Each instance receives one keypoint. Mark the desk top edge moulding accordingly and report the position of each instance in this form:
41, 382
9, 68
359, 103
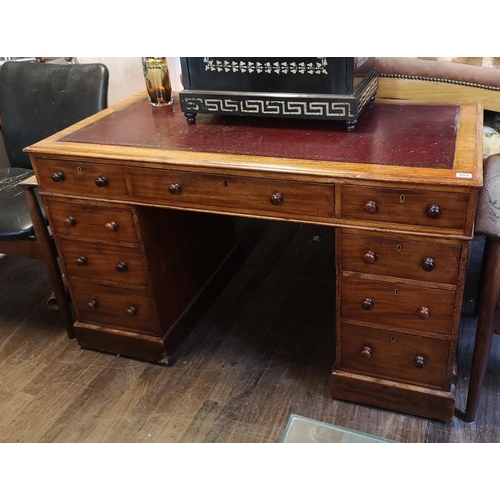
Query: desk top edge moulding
314, 88
134, 196
384, 138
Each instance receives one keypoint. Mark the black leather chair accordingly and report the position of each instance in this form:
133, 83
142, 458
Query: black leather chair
36, 101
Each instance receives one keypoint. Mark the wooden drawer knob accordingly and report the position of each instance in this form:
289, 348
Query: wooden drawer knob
132, 311
276, 199
70, 221
175, 188
81, 261
419, 361
367, 304
371, 207
370, 257
101, 181
428, 264
112, 227
92, 304
121, 267
366, 352
57, 176
424, 313
433, 212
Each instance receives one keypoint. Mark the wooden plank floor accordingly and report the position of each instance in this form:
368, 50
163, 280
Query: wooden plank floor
260, 351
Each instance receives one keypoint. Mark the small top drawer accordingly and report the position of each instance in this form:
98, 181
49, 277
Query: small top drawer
91, 221
243, 195
78, 178
434, 209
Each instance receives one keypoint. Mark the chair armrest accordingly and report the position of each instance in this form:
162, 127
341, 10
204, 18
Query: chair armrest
488, 210
491, 143
29, 183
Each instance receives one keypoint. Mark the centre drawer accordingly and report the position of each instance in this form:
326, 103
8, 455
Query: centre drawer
392, 304
433, 209
243, 195
103, 262
92, 221
400, 257
395, 356
119, 308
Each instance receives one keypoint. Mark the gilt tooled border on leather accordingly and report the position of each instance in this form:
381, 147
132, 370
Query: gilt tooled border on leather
441, 80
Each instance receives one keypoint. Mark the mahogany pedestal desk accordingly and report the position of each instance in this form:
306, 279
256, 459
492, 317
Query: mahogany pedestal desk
136, 197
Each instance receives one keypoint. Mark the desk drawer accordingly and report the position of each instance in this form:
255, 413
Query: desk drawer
435, 209
81, 179
400, 257
88, 220
268, 197
395, 356
119, 308
99, 261
403, 306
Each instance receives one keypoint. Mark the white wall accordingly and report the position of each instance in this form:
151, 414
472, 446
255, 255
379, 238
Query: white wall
126, 77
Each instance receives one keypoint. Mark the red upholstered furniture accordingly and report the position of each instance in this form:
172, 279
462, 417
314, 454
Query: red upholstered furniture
443, 79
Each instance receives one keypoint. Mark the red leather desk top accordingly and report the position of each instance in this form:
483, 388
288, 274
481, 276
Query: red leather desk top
387, 133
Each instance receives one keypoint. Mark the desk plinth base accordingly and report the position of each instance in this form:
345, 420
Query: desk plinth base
395, 396
133, 345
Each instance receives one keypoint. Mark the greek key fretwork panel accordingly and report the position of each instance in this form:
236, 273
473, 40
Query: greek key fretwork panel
224, 105
371, 90
269, 107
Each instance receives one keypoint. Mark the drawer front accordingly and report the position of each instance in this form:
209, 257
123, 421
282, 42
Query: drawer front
104, 262
402, 206
119, 308
397, 305
395, 356
233, 194
401, 258
84, 179
92, 221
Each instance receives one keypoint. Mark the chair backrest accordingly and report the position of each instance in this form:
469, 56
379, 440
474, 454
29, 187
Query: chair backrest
39, 99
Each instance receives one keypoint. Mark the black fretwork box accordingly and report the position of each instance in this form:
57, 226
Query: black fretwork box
321, 88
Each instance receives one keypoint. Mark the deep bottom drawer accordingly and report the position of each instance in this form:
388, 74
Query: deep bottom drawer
115, 307
395, 356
